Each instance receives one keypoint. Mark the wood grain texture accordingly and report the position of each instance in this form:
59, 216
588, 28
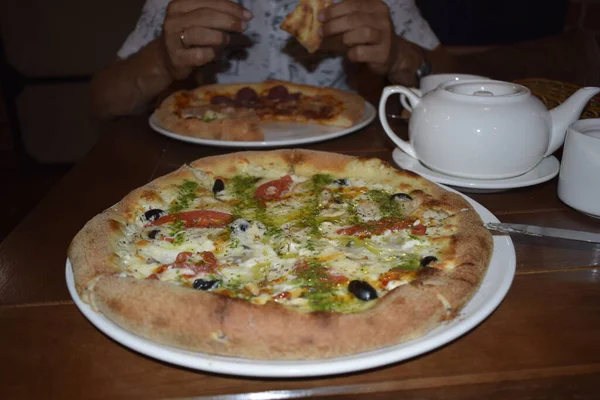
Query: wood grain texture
531, 336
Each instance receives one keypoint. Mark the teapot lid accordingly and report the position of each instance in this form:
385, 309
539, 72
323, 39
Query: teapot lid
485, 88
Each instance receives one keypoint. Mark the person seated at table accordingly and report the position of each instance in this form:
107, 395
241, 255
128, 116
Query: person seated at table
183, 43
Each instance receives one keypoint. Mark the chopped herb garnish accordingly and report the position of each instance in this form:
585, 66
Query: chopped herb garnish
319, 181
320, 289
410, 262
179, 239
187, 193
387, 205
176, 227
177, 231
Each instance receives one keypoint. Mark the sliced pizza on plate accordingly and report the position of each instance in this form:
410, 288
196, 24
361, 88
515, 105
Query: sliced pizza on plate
237, 112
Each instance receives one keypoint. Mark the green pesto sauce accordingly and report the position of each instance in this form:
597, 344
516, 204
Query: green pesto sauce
410, 262
187, 193
309, 213
320, 294
248, 206
243, 188
353, 218
179, 239
176, 232
319, 181
387, 206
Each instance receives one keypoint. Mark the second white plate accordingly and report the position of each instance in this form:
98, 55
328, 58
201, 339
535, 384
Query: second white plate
278, 134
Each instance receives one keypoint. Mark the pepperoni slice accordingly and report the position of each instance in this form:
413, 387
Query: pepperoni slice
278, 92
246, 94
196, 219
274, 190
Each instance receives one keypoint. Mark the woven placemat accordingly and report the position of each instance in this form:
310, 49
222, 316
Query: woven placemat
552, 93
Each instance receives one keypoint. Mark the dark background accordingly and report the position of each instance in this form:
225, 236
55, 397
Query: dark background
484, 22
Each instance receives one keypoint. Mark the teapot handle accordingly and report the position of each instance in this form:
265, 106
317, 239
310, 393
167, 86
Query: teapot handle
413, 100
404, 101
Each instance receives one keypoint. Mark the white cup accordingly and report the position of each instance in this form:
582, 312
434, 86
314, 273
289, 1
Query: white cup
430, 82
579, 178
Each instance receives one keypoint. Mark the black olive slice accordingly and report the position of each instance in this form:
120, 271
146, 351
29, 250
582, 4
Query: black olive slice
218, 186
425, 261
341, 182
401, 197
154, 214
239, 224
362, 290
152, 234
202, 284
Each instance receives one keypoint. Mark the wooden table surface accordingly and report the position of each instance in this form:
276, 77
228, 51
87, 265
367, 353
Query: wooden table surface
543, 341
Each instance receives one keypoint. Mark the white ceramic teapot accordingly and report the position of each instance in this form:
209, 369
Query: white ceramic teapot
483, 129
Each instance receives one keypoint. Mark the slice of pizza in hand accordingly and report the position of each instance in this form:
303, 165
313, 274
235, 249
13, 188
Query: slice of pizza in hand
303, 23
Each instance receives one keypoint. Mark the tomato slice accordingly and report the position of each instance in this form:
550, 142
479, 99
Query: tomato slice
375, 227
196, 219
155, 275
274, 190
282, 296
418, 230
209, 262
183, 256
336, 279
389, 276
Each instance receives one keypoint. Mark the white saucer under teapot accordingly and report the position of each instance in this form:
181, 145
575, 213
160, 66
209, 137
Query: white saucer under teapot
483, 129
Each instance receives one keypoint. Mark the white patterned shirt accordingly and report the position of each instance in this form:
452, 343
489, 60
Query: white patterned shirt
264, 51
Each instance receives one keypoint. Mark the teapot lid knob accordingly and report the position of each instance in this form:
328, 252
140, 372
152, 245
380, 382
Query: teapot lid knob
483, 93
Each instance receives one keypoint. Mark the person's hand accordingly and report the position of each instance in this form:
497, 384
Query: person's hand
366, 30
194, 30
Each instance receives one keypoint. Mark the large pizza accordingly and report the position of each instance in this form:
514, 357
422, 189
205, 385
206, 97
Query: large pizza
287, 254
238, 112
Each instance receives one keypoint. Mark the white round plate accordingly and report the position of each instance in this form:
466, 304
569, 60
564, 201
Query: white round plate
547, 169
494, 287
278, 133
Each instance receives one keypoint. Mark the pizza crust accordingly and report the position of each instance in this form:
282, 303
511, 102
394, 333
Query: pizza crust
216, 324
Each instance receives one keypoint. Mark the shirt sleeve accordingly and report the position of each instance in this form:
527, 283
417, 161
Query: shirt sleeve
410, 25
148, 27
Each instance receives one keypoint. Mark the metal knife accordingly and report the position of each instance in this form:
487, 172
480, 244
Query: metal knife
540, 231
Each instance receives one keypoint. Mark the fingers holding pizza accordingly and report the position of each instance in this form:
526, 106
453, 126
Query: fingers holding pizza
194, 31
365, 29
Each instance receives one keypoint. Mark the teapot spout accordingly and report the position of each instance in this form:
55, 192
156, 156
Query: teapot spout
567, 113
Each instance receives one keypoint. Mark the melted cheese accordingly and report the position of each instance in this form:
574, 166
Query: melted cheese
290, 251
